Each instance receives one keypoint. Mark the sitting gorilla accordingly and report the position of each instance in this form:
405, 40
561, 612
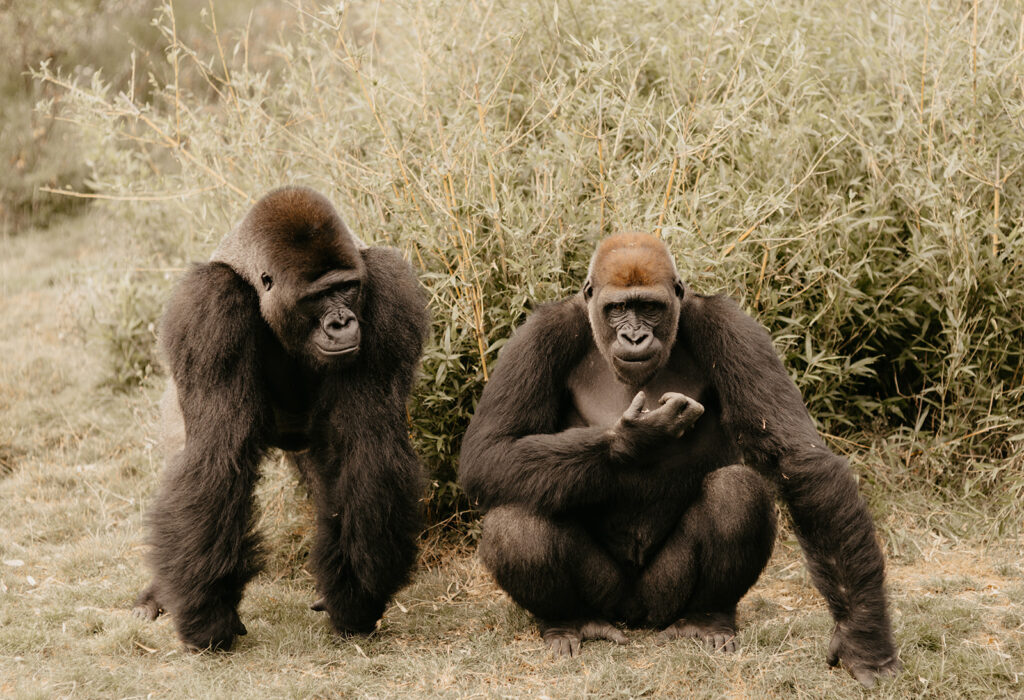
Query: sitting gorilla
299, 337
623, 451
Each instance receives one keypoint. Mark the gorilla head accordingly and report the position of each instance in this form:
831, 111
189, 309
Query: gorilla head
633, 292
306, 266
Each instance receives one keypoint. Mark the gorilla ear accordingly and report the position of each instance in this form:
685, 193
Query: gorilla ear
267, 281
588, 290
679, 289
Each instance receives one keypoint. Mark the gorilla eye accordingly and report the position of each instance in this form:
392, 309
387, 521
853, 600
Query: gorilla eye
267, 281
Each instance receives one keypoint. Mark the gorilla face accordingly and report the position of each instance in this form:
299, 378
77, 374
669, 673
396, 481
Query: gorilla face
633, 294
635, 329
320, 323
336, 334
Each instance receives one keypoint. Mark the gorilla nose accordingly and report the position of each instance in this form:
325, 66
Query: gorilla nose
337, 325
340, 332
634, 345
634, 338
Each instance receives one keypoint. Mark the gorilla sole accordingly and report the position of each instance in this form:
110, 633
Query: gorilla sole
294, 336
627, 451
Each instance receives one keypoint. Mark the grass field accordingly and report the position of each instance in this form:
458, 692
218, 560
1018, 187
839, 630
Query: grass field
77, 465
851, 171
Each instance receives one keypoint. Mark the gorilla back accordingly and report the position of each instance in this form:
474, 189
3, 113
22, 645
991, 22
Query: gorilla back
625, 451
294, 336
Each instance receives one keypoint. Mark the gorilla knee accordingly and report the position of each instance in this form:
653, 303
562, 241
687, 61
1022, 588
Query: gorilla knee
515, 537
739, 502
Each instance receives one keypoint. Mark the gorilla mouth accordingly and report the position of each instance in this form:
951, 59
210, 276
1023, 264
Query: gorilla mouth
635, 358
340, 344
333, 351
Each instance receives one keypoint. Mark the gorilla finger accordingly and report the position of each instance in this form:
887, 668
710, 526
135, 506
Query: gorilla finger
319, 605
863, 676
145, 612
693, 410
616, 636
890, 667
602, 630
668, 634
833, 650
240, 629
636, 407
574, 646
673, 396
557, 647
725, 643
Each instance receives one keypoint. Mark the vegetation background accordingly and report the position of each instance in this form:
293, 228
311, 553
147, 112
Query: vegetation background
852, 172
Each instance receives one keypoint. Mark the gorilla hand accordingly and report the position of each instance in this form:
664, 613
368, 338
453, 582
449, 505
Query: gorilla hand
863, 665
638, 429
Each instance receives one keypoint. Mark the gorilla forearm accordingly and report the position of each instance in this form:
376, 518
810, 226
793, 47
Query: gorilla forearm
204, 551
367, 487
515, 450
551, 472
838, 537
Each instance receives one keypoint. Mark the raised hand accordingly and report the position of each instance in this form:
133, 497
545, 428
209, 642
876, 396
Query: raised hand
638, 428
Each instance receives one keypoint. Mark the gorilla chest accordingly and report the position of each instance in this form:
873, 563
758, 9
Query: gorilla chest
599, 399
291, 400
652, 494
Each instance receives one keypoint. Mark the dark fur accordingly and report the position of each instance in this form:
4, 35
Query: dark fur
240, 391
578, 529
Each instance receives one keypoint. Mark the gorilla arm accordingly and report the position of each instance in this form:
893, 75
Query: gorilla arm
514, 452
765, 413
369, 480
203, 549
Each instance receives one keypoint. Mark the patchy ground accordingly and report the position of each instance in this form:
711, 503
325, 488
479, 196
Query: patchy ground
77, 466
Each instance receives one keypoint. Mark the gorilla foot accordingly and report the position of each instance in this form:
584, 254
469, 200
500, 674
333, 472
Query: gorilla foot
564, 638
146, 606
716, 630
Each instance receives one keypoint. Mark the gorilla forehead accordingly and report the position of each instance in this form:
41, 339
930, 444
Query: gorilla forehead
631, 260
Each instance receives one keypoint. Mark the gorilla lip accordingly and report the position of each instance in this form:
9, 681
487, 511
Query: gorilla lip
335, 352
624, 359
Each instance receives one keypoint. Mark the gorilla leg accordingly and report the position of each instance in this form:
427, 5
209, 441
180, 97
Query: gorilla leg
556, 571
712, 559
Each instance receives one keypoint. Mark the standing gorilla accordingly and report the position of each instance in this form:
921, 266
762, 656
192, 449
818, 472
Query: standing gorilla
612, 495
295, 336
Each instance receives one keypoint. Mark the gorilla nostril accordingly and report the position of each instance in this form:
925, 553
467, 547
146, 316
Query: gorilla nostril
338, 325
